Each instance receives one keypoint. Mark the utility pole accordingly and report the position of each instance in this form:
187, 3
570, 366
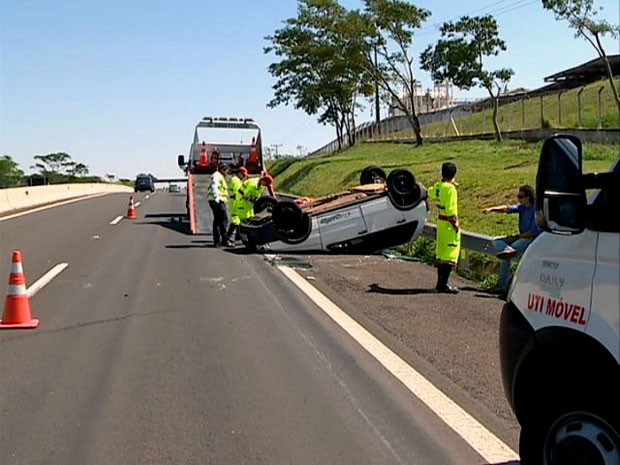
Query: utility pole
301, 149
377, 112
275, 146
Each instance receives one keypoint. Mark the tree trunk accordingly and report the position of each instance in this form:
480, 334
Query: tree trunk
414, 121
498, 133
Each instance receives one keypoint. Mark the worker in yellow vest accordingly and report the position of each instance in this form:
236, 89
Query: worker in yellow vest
235, 199
217, 194
448, 243
251, 190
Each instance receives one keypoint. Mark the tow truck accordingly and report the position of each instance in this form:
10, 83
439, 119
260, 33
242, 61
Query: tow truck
230, 140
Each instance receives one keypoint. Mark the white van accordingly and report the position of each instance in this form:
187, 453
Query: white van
559, 342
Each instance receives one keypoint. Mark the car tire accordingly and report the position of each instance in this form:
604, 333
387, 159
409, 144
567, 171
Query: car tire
403, 190
265, 202
286, 216
300, 233
372, 174
571, 432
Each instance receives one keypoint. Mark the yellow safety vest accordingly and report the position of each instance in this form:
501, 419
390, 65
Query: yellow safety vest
448, 243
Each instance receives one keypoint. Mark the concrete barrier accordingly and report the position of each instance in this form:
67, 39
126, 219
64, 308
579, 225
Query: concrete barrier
21, 198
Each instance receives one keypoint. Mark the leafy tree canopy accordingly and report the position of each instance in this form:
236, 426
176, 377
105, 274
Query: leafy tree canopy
10, 174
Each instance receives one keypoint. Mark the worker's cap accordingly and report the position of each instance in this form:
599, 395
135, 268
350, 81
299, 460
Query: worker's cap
243, 170
266, 180
224, 167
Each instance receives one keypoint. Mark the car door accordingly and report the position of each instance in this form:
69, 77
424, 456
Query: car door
341, 225
380, 215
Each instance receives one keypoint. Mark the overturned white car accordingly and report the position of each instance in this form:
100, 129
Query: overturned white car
382, 212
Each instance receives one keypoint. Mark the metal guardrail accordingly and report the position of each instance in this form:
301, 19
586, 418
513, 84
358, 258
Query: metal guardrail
469, 240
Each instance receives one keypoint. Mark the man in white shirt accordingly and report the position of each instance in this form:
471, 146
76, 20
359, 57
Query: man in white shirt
217, 194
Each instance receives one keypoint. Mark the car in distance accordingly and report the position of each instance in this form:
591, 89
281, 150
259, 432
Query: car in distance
144, 182
381, 212
175, 188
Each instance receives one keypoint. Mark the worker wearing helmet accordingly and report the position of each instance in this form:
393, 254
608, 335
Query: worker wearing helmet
235, 200
448, 243
217, 195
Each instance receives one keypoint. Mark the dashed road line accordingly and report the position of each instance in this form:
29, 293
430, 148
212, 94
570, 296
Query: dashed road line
45, 279
116, 220
483, 441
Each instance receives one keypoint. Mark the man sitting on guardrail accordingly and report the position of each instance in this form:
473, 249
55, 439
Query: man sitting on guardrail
509, 247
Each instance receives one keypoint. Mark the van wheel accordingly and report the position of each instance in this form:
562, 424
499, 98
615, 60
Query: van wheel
575, 437
371, 175
403, 190
265, 202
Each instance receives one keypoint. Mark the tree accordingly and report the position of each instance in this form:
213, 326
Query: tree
392, 24
78, 170
10, 174
52, 165
581, 16
320, 71
59, 167
458, 57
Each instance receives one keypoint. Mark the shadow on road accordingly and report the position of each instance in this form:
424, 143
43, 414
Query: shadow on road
376, 288
175, 221
384, 290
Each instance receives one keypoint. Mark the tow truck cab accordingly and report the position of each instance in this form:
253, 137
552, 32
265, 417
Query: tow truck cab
233, 141
559, 329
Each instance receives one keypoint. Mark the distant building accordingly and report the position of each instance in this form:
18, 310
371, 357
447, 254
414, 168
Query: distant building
586, 73
440, 96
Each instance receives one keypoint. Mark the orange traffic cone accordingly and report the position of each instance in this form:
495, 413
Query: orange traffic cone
17, 312
132, 213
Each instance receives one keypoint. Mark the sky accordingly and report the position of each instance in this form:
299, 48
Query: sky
120, 85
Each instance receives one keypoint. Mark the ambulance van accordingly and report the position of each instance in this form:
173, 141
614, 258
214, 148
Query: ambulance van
559, 343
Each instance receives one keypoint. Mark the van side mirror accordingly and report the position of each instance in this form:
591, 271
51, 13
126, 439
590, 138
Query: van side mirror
560, 191
181, 161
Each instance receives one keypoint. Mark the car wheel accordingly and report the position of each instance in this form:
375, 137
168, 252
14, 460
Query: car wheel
287, 216
300, 233
265, 202
371, 175
403, 190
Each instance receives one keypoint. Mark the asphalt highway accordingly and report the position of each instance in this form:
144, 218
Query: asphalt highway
155, 348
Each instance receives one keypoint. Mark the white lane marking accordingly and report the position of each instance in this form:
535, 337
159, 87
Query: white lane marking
46, 207
490, 447
45, 279
137, 204
116, 220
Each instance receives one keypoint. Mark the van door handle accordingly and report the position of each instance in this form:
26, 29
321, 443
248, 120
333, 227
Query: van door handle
401, 221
